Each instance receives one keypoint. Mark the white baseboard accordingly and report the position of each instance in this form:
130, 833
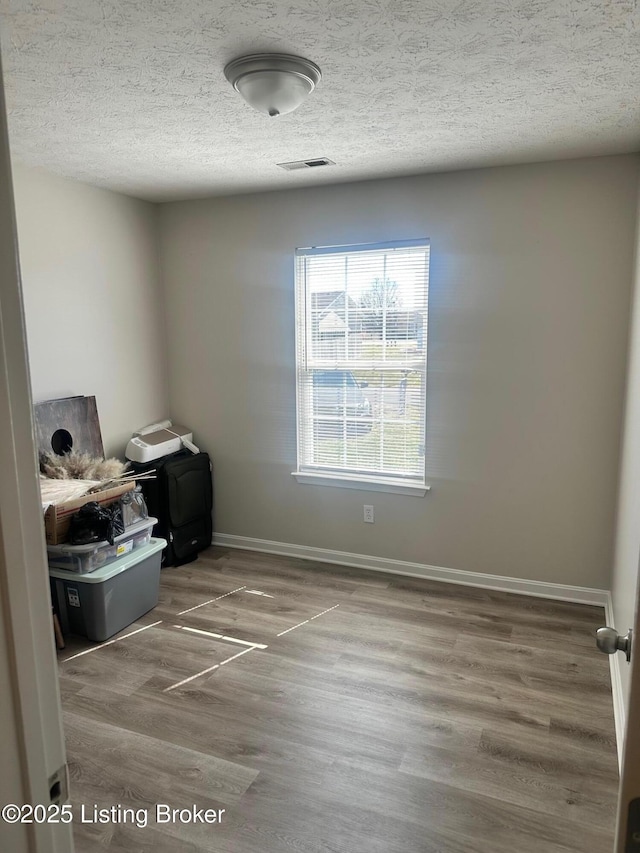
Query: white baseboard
616, 686
562, 592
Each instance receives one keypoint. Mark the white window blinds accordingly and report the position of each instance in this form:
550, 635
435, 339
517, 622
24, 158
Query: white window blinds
361, 359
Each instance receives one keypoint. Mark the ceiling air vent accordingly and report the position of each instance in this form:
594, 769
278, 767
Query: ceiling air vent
306, 164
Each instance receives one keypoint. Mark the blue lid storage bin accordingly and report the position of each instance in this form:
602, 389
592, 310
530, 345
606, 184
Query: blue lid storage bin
100, 604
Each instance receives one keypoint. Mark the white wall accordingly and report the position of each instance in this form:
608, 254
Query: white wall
530, 293
627, 543
531, 272
95, 323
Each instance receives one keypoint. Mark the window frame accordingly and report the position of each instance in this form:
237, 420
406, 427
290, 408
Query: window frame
343, 478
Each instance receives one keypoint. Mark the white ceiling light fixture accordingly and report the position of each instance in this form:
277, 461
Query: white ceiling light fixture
273, 83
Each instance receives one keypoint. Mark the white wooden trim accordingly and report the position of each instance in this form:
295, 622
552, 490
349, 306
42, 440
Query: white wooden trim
617, 694
27, 633
343, 481
540, 589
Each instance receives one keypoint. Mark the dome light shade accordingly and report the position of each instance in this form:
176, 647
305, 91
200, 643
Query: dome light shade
273, 83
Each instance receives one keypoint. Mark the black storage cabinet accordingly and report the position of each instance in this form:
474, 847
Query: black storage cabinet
181, 498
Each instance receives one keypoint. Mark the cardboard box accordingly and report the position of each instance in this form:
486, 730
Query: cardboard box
57, 518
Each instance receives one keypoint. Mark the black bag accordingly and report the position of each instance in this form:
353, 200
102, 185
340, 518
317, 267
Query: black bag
181, 498
96, 523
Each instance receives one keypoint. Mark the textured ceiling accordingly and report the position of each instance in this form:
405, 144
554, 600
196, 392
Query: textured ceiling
130, 94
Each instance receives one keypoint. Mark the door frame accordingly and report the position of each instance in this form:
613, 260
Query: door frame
32, 744
629, 749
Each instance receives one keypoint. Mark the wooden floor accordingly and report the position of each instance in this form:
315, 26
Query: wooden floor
412, 717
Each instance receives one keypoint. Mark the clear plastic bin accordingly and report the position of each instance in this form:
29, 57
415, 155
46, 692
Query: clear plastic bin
83, 559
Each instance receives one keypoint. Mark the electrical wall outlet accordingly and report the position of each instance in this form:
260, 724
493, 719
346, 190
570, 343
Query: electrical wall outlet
368, 513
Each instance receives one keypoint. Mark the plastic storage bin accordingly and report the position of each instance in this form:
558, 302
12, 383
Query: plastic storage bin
100, 604
87, 558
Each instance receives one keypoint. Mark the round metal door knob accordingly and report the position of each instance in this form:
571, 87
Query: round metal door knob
609, 641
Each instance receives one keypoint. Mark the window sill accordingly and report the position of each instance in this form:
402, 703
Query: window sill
341, 482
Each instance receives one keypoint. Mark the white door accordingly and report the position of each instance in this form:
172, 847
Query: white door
628, 826
32, 753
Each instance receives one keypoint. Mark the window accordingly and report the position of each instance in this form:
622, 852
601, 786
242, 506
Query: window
361, 360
